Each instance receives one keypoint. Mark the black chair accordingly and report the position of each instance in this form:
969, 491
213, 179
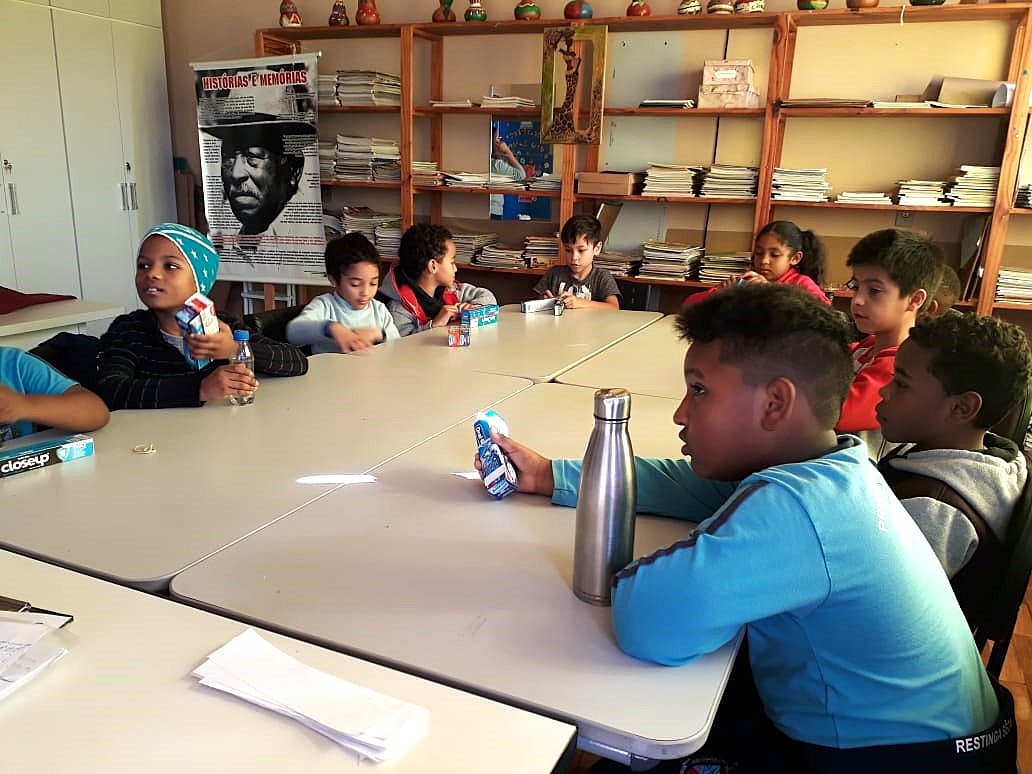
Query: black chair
997, 621
73, 354
1014, 424
273, 323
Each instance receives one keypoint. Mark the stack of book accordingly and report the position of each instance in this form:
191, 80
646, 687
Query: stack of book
723, 181
501, 256
667, 260
825, 102
365, 220
388, 237
670, 180
717, 267
618, 264
863, 197
800, 185
1014, 286
973, 186
359, 159
466, 179
506, 102
667, 103
1024, 198
469, 244
327, 159
451, 103
333, 225
368, 87
326, 86
541, 250
425, 173
545, 182
921, 193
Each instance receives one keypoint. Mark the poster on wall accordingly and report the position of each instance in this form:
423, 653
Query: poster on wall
257, 129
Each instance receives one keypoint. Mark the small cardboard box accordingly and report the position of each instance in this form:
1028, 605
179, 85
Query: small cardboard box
721, 72
737, 95
610, 183
480, 316
35, 453
961, 91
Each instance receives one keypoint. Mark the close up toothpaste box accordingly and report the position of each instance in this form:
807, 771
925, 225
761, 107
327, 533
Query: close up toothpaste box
41, 453
198, 317
499, 473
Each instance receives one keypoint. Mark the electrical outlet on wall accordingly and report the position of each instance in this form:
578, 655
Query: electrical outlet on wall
905, 219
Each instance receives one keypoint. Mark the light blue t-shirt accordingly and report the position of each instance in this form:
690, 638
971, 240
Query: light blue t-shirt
28, 375
855, 637
309, 327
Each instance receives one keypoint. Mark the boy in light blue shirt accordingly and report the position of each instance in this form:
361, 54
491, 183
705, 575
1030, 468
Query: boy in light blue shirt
858, 651
349, 319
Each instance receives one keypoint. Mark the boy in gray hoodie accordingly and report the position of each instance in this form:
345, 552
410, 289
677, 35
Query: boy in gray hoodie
956, 376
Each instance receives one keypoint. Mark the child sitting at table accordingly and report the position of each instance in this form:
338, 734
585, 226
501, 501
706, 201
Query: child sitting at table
421, 290
858, 650
142, 362
580, 283
32, 393
956, 376
893, 272
782, 253
349, 319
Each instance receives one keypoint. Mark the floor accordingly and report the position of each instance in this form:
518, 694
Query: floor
1016, 675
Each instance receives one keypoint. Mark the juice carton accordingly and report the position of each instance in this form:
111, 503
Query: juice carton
499, 474
197, 316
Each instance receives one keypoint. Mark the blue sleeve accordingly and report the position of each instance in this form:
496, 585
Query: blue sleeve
665, 488
35, 377
309, 326
759, 556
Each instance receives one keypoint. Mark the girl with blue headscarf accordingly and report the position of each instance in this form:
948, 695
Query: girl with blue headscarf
144, 361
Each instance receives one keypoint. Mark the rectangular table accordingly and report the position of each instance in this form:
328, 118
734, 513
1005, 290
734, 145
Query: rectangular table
25, 328
426, 572
220, 472
122, 701
536, 346
648, 362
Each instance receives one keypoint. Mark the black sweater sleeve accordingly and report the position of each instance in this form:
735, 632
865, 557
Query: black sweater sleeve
272, 357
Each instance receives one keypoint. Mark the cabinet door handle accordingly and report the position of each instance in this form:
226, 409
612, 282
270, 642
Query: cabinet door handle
125, 196
12, 195
133, 205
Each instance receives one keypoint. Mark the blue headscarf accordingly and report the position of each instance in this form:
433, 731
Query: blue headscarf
196, 248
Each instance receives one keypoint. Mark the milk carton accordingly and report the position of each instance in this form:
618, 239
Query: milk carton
499, 473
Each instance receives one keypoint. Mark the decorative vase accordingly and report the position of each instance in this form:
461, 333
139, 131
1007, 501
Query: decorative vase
289, 16
339, 15
639, 8
443, 12
857, 4
578, 9
811, 5
527, 9
689, 7
721, 6
367, 13
475, 12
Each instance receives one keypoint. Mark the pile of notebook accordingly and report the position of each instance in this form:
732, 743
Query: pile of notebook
863, 197
365, 220
367, 87
670, 180
973, 186
327, 159
717, 267
541, 249
1014, 286
372, 724
921, 193
547, 182
468, 244
800, 185
1024, 198
466, 179
501, 256
507, 102
618, 264
425, 173
723, 181
667, 260
366, 159
388, 237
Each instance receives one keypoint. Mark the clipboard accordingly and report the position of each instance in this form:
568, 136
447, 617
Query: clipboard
10, 605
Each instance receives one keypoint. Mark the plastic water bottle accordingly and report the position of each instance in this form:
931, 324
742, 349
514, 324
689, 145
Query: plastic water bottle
604, 541
243, 356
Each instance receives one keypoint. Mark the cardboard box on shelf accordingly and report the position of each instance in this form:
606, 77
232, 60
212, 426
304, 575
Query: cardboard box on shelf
610, 183
735, 95
719, 72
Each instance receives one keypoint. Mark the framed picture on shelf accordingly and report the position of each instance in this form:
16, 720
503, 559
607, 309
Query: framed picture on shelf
563, 87
517, 154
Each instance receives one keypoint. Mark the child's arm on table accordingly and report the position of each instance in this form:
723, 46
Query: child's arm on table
76, 409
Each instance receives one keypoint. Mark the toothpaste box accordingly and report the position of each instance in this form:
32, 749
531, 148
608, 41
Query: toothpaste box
482, 315
197, 316
36, 453
538, 305
499, 473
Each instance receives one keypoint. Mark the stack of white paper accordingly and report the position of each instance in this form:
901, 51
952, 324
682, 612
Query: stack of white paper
26, 648
374, 725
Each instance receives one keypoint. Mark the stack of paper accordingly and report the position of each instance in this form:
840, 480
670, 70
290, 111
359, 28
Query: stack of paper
327, 159
388, 237
667, 103
667, 260
507, 102
863, 197
541, 249
368, 87
358, 159
825, 102
670, 180
973, 186
327, 90
26, 647
366, 220
618, 264
466, 179
451, 103
801, 185
333, 225
468, 245
1014, 286
717, 267
372, 724
501, 256
425, 173
546, 182
722, 181
1024, 198
921, 193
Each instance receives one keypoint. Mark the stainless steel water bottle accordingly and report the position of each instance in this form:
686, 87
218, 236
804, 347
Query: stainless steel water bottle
606, 497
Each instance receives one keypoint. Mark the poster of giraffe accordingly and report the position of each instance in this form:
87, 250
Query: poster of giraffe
568, 85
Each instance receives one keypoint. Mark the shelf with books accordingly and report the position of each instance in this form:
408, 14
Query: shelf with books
433, 111
930, 112
587, 197
685, 112
359, 108
359, 184
946, 209
455, 189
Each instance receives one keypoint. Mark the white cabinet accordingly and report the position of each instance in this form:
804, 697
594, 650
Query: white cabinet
37, 238
95, 7
139, 11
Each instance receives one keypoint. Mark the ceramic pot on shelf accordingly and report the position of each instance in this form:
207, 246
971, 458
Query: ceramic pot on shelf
339, 15
857, 4
639, 8
811, 5
475, 12
527, 10
578, 9
444, 12
367, 13
689, 7
289, 16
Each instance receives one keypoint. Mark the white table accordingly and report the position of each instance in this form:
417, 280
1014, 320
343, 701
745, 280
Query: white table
122, 701
25, 328
424, 571
537, 346
221, 472
648, 362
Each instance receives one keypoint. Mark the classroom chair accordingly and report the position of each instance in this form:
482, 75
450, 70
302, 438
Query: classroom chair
996, 621
273, 323
1014, 424
73, 354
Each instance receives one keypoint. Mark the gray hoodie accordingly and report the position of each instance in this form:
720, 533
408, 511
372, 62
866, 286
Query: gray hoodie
990, 480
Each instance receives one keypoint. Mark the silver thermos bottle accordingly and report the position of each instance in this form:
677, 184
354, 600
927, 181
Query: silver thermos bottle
604, 541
